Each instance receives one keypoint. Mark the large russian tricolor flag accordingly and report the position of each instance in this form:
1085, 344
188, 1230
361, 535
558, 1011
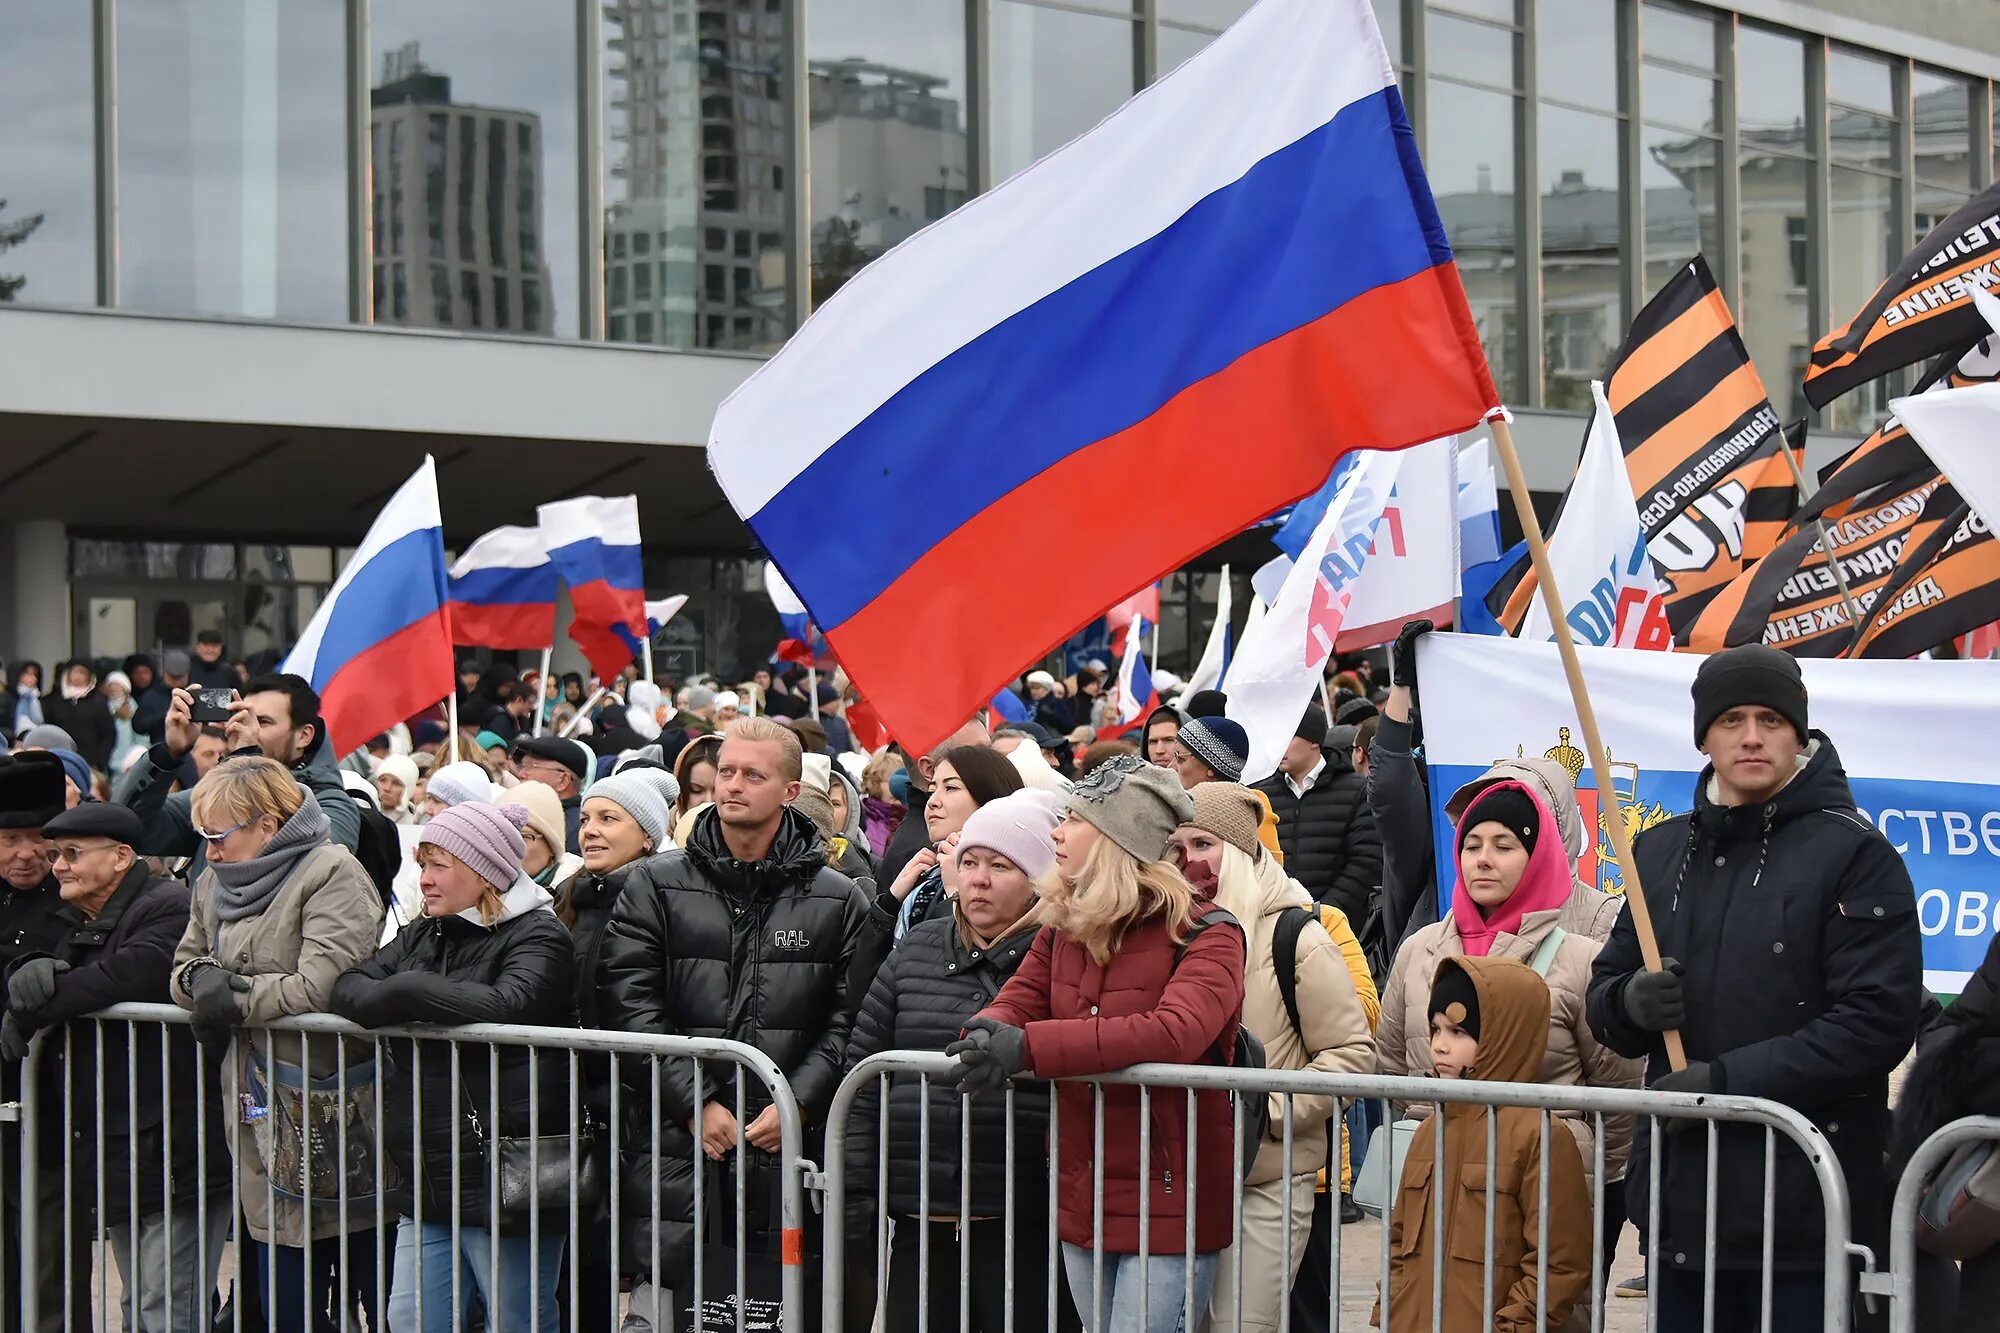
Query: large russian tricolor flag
503, 592
1234, 279
593, 542
378, 650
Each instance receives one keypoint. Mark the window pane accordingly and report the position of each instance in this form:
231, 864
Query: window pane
1678, 174
1581, 220
1177, 44
1856, 80
48, 198
232, 164
1771, 90
1683, 100
1676, 35
1503, 10
1209, 13
1389, 18
888, 128
1776, 267
1943, 110
1055, 74
695, 157
1471, 165
1577, 52
1862, 245
1470, 50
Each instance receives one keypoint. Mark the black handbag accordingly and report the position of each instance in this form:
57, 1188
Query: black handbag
534, 1173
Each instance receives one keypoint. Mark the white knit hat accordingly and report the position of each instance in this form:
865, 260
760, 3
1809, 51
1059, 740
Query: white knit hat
456, 784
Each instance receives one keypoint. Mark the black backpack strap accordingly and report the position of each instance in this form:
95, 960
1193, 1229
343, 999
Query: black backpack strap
1285, 957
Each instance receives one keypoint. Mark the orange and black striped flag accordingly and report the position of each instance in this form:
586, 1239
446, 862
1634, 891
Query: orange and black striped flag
1922, 308
1947, 584
1701, 443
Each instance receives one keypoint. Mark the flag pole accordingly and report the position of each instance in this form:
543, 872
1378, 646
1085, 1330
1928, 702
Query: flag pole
1854, 607
812, 683
646, 656
569, 728
542, 704
451, 709
1586, 716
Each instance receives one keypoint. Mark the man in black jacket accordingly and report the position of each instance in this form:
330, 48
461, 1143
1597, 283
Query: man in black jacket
744, 934
165, 1202
1793, 971
1325, 828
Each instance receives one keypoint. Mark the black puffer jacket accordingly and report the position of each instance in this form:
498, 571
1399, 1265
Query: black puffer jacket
1328, 836
1797, 925
32, 922
450, 970
124, 956
931, 984
761, 952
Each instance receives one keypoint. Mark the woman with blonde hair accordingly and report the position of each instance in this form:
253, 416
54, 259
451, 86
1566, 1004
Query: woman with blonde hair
279, 914
1304, 1003
1132, 969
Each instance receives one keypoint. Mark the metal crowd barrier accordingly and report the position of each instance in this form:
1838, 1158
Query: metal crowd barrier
1929, 1158
346, 1260
1603, 1106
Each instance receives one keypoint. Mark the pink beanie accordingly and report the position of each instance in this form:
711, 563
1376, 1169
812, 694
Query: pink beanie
1017, 826
486, 837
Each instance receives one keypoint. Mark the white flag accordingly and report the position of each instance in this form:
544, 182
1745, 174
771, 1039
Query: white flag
1957, 428
1207, 673
1610, 594
1277, 669
1413, 573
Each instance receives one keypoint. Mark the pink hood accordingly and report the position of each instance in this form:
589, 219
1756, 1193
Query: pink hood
1545, 885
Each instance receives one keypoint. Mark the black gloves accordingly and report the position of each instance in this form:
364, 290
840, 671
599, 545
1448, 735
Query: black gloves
13, 1039
1403, 659
33, 984
1698, 1078
216, 1012
988, 1055
1653, 1000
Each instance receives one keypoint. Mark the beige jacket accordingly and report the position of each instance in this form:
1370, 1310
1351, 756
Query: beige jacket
323, 920
1574, 1057
1336, 1038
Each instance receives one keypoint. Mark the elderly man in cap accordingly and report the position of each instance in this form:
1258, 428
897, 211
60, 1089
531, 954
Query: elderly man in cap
561, 765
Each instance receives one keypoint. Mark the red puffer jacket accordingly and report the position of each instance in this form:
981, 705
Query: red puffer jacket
1084, 1019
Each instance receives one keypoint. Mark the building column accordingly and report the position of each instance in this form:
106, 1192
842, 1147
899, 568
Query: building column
39, 592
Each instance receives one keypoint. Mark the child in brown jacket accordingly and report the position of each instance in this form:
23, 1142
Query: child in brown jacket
1489, 1020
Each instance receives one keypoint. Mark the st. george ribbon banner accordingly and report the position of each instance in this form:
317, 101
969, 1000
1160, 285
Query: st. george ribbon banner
1931, 782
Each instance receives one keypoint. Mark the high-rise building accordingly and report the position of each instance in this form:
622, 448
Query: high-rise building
456, 207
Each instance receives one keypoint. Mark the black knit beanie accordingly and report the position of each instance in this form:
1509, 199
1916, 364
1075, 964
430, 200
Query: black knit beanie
1508, 806
1454, 996
1312, 726
1751, 674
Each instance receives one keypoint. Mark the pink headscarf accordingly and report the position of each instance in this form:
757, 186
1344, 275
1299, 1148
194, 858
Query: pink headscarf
1545, 884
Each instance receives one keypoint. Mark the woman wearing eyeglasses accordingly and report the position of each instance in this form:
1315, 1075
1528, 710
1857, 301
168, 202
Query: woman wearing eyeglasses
279, 913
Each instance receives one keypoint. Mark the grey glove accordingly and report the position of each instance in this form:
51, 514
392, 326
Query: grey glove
13, 1039
988, 1055
215, 989
1698, 1078
33, 984
1653, 1000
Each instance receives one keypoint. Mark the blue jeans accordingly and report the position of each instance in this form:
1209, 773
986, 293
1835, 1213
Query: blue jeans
1166, 1289
526, 1276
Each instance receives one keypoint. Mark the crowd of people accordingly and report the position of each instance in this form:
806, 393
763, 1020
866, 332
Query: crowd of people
1050, 898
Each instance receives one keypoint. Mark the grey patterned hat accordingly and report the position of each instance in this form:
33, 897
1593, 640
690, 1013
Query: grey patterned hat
1135, 804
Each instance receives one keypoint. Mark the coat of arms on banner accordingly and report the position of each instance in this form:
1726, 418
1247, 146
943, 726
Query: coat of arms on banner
1599, 862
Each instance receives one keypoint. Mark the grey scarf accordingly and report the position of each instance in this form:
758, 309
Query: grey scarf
245, 888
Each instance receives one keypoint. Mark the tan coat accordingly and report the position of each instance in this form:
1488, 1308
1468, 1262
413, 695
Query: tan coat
1513, 1010
323, 919
1336, 1038
1574, 1057
1589, 911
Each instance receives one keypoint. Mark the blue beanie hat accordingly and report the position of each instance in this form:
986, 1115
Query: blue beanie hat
1221, 744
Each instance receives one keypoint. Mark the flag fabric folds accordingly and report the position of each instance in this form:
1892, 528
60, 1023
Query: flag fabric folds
593, 542
1922, 308
1202, 267
1413, 571
378, 650
1214, 663
1137, 696
657, 615
503, 592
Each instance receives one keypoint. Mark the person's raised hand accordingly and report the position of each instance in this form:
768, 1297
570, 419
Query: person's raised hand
181, 728
1403, 658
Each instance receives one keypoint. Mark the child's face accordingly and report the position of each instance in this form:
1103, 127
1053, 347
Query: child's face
1453, 1052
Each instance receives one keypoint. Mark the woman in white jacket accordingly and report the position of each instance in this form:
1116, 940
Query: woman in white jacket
1220, 854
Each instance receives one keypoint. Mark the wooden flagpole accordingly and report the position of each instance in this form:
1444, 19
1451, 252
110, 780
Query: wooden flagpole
1586, 716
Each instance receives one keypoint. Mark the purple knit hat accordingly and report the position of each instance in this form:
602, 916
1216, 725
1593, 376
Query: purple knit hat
486, 837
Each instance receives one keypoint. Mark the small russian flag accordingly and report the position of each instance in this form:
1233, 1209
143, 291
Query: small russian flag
503, 592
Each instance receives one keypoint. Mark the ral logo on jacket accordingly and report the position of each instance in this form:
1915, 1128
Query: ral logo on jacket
790, 939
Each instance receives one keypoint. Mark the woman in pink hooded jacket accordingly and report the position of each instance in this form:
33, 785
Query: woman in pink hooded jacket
1513, 878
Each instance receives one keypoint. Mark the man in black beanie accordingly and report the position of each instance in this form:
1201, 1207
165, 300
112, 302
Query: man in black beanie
1793, 971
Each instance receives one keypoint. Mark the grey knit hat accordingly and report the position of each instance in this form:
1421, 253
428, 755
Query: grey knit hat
638, 798
486, 837
1218, 742
1135, 804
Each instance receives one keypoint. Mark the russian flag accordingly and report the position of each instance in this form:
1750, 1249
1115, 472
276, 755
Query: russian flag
610, 650
1216, 291
1137, 697
503, 592
593, 542
378, 650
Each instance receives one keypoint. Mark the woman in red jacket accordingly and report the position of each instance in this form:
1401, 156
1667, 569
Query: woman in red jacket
1132, 970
